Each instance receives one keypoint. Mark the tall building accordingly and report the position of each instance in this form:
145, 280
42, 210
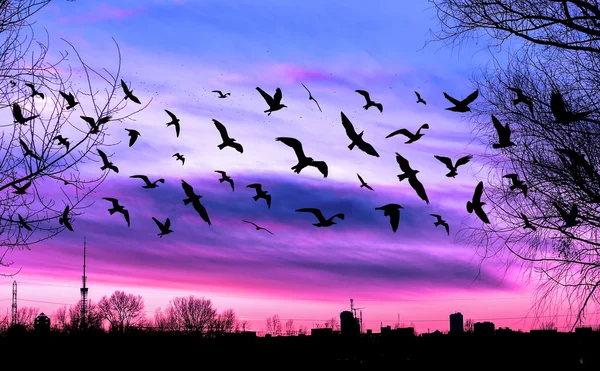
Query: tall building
456, 323
349, 326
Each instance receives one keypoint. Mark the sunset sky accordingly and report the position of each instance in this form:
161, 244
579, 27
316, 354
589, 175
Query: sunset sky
176, 53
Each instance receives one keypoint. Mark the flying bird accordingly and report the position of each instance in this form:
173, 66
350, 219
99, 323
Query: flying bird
408, 172
227, 141
522, 98
149, 184
257, 227
560, 112
453, 168
370, 103
23, 223
63, 141
419, 99
476, 205
195, 200
221, 95
225, 178
129, 93
411, 137
164, 228
105, 163
527, 223
174, 121
516, 183
70, 98
393, 211
34, 91
503, 134
18, 115
133, 134
95, 125
27, 151
260, 193
357, 139
273, 102
570, 218
462, 105
362, 183
303, 161
441, 221
64, 219
179, 158
116, 208
21, 190
322, 221
310, 97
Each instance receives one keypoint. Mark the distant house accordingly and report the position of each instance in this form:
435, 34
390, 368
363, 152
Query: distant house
42, 323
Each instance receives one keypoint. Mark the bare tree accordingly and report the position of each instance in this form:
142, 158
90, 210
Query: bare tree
121, 310
274, 325
547, 326
225, 322
469, 325
26, 316
290, 327
332, 323
555, 155
245, 325
68, 318
189, 315
45, 148
303, 330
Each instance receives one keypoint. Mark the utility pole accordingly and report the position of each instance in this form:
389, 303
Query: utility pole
14, 304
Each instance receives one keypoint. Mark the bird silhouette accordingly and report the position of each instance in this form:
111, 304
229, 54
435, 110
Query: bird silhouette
370, 103
70, 98
227, 141
105, 163
225, 178
476, 205
453, 168
64, 219
357, 139
522, 98
441, 221
149, 184
257, 227
195, 200
27, 151
221, 95
527, 223
393, 211
570, 218
21, 190
462, 105
133, 136
34, 92
12, 83
116, 208
322, 221
362, 183
18, 115
503, 134
411, 175
23, 223
129, 93
273, 102
165, 229
516, 183
419, 99
179, 158
411, 137
95, 125
174, 121
303, 161
63, 141
260, 193
310, 97
560, 112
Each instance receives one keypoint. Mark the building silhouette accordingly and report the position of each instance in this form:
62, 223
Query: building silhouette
349, 326
484, 328
42, 323
456, 323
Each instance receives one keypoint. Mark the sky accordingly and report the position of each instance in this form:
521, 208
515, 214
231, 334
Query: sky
175, 53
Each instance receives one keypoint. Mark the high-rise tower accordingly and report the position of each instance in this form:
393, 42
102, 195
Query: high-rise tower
84, 292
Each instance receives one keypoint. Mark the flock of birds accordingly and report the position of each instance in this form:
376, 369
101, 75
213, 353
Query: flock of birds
392, 210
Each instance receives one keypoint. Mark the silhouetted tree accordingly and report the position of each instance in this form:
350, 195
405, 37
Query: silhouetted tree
121, 310
189, 315
245, 325
558, 52
332, 323
54, 170
469, 325
290, 327
225, 322
547, 326
68, 318
26, 316
274, 325
303, 330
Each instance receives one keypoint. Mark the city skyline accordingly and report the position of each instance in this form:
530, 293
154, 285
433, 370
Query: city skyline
419, 272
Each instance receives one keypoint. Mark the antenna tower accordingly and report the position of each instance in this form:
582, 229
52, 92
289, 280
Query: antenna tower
84, 291
353, 309
14, 304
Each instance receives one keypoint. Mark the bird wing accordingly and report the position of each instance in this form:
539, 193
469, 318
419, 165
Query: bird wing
278, 95
367, 148
463, 160
557, 104
256, 186
30, 86
103, 156
218, 91
478, 192
513, 177
238, 147
394, 218
482, 215
142, 177
471, 97
173, 117
222, 130
401, 131
499, 128
295, 144
103, 120
445, 160
245, 221
125, 88
360, 178
316, 212
516, 90
403, 163
306, 89
126, 215
114, 201
64, 95
574, 211
201, 210
159, 224
321, 166
266, 97
350, 131
24, 145
418, 95
437, 216
168, 223
268, 199
447, 228
452, 100
365, 94
418, 187
188, 189
220, 172
17, 113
